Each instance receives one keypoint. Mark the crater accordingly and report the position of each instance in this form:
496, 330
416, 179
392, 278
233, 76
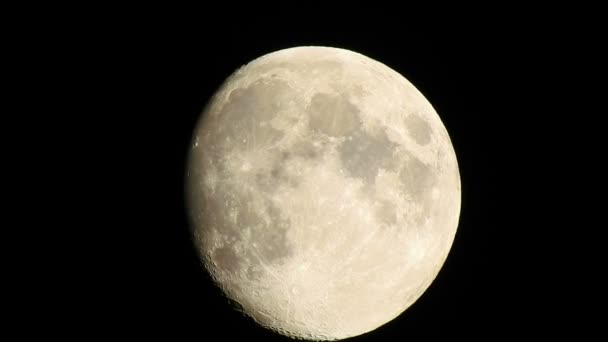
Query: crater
362, 154
333, 115
418, 129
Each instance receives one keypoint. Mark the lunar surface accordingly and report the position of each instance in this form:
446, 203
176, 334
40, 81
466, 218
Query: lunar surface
323, 190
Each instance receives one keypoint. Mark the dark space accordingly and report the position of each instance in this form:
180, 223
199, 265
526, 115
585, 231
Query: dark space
148, 77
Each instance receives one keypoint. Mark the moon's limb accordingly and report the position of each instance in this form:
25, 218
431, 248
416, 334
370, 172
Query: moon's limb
324, 192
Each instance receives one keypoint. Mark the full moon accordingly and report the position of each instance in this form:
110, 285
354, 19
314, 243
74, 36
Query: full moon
323, 191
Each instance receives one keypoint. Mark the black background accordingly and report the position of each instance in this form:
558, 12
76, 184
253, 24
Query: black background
138, 82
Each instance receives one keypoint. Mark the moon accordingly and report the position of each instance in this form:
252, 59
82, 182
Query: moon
323, 191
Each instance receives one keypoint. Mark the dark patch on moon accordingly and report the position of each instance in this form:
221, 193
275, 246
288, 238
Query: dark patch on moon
265, 182
245, 118
418, 128
416, 178
333, 115
226, 259
387, 213
306, 149
417, 181
269, 180
363, 155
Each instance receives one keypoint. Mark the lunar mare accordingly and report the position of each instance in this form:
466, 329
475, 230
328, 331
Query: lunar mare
323, 191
